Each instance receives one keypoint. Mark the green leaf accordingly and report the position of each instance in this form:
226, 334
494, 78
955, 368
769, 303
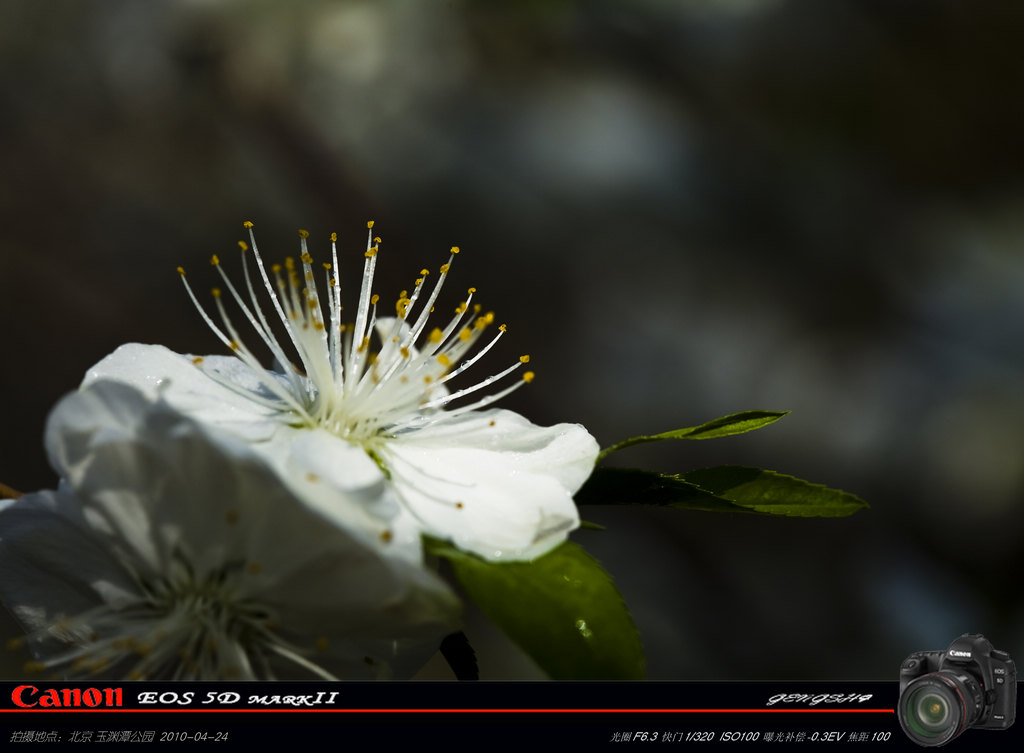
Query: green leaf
724, 489
737, 423
774, 493
562, 609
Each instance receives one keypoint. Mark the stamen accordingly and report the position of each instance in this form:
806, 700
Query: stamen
468, 390
338, 382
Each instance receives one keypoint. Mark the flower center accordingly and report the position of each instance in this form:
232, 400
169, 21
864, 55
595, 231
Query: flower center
367, 380
183, 626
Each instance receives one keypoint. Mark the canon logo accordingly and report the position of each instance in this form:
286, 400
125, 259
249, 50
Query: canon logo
960, 654
29, 696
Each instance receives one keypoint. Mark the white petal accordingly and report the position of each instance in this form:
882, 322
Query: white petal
128, 457
158, 371
335, 477
503, 491
51, 564
566, 452
343, 484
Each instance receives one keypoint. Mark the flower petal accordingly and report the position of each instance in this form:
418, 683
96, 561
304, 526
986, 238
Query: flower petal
156, 370
111, 443
321, 469
565, 451
493, 483
50, 566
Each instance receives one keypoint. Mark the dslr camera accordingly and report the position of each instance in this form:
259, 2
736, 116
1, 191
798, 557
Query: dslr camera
942, 693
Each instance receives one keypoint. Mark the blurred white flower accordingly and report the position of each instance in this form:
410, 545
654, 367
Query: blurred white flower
165, 555
378, 422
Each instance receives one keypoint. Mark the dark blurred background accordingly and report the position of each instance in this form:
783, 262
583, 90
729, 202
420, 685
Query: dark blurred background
683, 209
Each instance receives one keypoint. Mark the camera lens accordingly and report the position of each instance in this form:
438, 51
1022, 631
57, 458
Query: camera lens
937, 707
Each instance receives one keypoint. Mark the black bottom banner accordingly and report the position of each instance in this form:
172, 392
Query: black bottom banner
854, 716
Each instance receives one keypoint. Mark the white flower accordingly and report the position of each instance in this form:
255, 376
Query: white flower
366, 409
163, 557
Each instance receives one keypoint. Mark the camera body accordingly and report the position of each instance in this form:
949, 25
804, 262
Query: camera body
942, 693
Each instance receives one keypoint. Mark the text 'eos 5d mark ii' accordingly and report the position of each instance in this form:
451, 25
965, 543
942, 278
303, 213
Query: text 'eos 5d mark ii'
942, 693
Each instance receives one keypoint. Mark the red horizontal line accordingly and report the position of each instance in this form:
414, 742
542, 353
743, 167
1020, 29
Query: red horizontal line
446, 711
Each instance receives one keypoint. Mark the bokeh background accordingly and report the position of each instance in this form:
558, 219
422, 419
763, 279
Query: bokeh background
683, 209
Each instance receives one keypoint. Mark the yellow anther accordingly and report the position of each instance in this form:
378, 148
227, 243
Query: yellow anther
481, 322
402, 306
303, 233
243, 245
524, 359
376, 239
334, 237
465, 333
342, 327
214, 260
444, 360
312, 303
216, 292
445, 268
312, 478
181, 271
385, 536
306, 259
459, 505
289, 263
461, 308
327, 266
528, 377
373, 299
471, 291
428, 379
435, 335
275, 268
15, 643
370, 252
477, 308
424, 272
233, 345
419, 281
503, 327
318, 326
369, 224
405, 352
455, 249
247, 224
197, 360
364, 344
